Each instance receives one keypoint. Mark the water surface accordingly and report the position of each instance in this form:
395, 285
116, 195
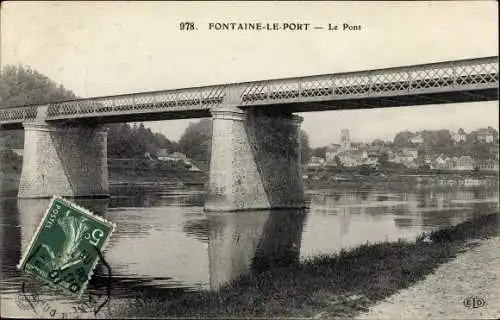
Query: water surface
164, 242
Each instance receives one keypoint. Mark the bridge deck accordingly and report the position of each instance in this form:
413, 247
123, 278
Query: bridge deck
436, 83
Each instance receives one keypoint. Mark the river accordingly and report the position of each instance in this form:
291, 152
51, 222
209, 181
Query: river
164, 242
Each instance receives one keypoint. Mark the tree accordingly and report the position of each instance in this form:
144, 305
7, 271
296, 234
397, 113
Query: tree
119, 141
495, 134
480, 151
383, 160
338, 162
319, 152
125, 141
379, 142
23, 86
196, 143
443, 138
402, 138
305, 149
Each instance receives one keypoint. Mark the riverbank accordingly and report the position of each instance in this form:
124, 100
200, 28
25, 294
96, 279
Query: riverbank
325, 179
9, 181
154, 179
475, 273
339, 285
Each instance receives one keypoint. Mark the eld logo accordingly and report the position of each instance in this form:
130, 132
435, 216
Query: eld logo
474, 302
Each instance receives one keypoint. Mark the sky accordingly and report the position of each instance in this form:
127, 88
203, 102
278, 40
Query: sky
106, 48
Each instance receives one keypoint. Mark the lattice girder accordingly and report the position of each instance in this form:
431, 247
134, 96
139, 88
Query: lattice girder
468, 74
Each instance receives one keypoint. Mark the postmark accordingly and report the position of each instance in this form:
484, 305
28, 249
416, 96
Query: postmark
35, 296
67, 246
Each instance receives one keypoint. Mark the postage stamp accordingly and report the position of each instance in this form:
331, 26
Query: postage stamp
67, 246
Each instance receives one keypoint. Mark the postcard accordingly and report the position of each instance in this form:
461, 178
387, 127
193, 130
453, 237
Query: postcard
319, 159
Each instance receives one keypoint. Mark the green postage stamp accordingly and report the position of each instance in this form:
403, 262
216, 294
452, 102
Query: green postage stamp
66, 246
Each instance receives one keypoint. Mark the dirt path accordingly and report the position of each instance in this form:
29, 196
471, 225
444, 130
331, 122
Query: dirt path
441, 295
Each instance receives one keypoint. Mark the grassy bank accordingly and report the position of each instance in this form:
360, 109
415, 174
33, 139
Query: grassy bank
339, 285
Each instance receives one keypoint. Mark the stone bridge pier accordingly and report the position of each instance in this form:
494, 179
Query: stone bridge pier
255, 161
68, 161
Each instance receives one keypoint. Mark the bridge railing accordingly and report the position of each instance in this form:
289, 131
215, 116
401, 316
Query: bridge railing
158, 101
455, 75
181, 99
16, 114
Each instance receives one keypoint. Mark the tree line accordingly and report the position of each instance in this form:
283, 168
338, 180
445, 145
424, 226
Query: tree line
134, 141
442, 142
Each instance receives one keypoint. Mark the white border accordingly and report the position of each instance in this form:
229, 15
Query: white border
42, 221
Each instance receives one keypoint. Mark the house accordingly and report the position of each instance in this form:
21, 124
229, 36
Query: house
378, 143
410, 153
494, 151
370, 161
163, 155
331, 152
428, 158
417, 139
19, 152
178, 156
351, 158
465, 163
394, 157
193, 167
315, 162
357, 145
411, 164
444, 163
485, 135
440, 159
460, 136
373, 152
487, 165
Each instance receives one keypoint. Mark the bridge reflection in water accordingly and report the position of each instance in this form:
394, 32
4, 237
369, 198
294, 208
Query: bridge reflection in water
245, 241
238, 243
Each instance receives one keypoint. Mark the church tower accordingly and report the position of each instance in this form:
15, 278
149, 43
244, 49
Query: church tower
344, 139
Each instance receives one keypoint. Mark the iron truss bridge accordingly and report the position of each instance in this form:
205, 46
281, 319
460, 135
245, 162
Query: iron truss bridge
434, 83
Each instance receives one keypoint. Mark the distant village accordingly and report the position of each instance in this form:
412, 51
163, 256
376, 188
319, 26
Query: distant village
409, 149
164, 155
